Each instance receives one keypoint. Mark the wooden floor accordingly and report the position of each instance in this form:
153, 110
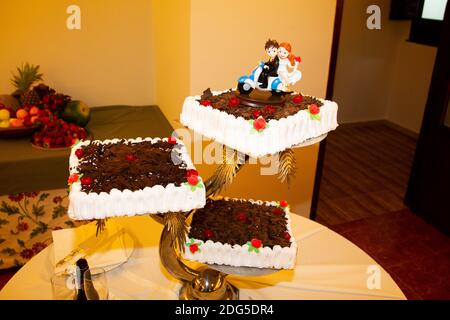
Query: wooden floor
365, 172
365, 176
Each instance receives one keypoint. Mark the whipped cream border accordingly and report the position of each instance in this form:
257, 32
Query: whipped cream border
150, 200
235, 132
224, 254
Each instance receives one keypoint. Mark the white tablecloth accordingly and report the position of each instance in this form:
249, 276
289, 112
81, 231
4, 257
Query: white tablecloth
328, 267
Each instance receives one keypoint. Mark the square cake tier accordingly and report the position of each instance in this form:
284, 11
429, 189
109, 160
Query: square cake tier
259, 131
131, 177
242, 233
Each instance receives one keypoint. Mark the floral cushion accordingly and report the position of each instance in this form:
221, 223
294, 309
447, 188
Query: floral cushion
26, 222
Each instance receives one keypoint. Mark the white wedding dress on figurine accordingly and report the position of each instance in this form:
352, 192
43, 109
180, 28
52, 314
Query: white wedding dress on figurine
288, 78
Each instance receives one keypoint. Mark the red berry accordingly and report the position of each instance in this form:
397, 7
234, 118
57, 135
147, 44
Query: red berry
313, 108
191, 172
278, 211
287, 236
130, 157
172, 140
86, 181
256, 243
192, 180
242, 217
269, 109
205, 103
233, 102
256, 114
72, 178
209, 233
283, 203
193, 248
79, 153
298, 59
297, 99
259, 124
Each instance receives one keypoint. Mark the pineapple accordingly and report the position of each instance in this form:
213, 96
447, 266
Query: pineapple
23, 80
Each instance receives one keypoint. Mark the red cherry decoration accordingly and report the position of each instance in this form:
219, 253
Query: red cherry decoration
297, 99
205, 103
242, 217
193, 248
72, 178
256, 243
256, 114
130, 157
234, 102
79, 153
269, 109
287, 236
278, 211
192, 180
283, 203
86, 181
209, 233
259, 124
191, 172
172, 140
314, 109
298, 59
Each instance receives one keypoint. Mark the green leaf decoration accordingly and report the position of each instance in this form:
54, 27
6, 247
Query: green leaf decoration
9, 251
70, 223
59, 211
21, 243
3, 222
252, 248
9, 210
314, 116
44, 196
41, 228
38, 211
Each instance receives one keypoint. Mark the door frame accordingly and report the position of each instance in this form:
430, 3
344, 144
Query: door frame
329, 96
432, 124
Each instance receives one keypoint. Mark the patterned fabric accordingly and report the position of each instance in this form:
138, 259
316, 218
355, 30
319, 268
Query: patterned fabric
26, 222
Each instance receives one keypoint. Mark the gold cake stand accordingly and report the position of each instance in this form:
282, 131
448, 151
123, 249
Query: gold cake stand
208, 282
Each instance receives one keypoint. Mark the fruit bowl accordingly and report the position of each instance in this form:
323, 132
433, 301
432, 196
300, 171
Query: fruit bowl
19, 132
89, 136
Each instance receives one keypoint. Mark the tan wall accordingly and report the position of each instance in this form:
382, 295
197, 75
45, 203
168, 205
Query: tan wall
171, 42
227, 41
379, 75
108, 61
228, 36
410, 83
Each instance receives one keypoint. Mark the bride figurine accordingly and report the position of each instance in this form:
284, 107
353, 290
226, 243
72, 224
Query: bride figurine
287, 69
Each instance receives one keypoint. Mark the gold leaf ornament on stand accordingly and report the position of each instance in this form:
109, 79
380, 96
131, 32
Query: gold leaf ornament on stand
286, 166
225, 173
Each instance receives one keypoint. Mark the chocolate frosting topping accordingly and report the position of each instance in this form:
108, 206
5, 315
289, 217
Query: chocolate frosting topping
289, 108
132, 166
237, 222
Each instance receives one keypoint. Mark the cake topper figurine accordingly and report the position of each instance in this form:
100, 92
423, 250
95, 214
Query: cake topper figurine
275, 75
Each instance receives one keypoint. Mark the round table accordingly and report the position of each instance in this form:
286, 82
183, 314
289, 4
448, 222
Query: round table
328, 267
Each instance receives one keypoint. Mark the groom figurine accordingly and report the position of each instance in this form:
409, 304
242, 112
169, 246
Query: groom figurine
271, 66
